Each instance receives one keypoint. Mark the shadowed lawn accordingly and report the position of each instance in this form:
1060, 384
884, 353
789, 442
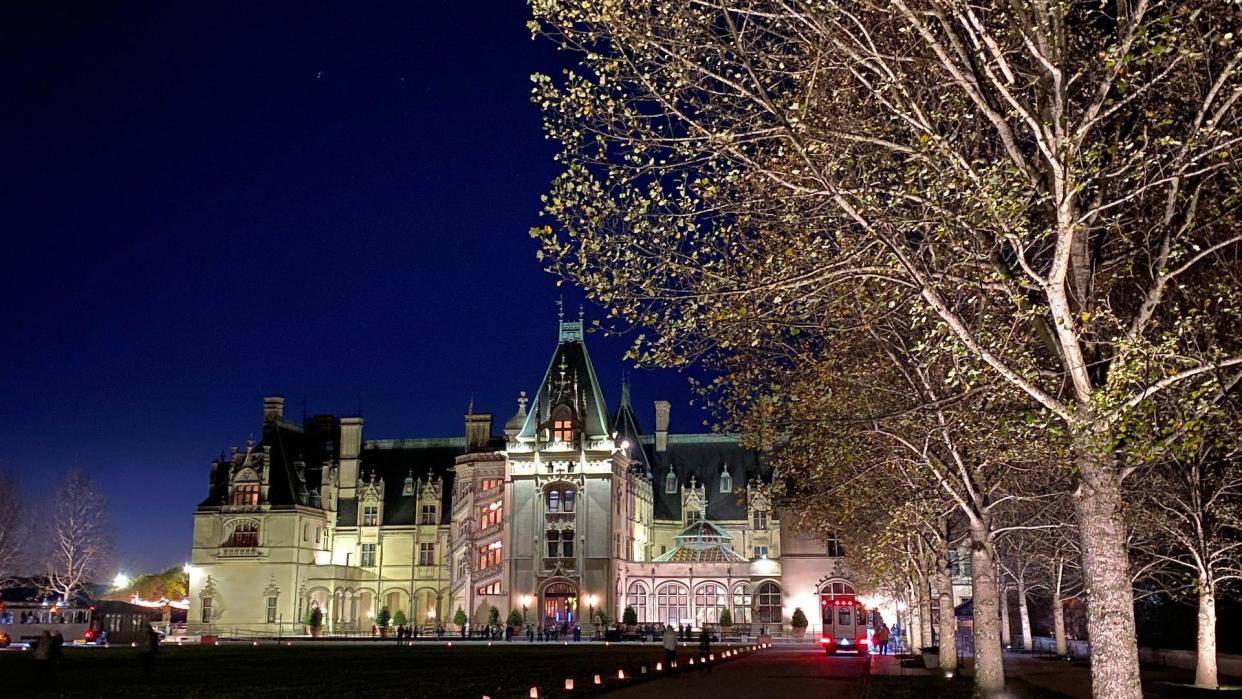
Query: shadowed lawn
310, 669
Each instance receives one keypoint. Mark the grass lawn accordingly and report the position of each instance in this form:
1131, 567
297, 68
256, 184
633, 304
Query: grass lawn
310, 669
891, 687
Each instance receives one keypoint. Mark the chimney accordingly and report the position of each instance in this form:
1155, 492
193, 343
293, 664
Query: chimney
273, 408
662, 408
478, 431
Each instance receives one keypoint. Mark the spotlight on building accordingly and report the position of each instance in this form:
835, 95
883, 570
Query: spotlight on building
121, 580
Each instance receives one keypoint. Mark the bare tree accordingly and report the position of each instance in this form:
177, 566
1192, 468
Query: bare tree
1189, 522
13, 532
1050, 182
79, 536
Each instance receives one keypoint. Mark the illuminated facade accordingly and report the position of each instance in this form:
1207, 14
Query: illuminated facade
571, 508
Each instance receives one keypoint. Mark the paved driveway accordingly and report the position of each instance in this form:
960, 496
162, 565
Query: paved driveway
771, 673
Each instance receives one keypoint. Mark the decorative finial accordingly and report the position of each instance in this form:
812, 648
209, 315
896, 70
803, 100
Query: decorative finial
560, 309
522, 400
581, 313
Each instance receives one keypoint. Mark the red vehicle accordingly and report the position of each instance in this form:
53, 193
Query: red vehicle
845, 625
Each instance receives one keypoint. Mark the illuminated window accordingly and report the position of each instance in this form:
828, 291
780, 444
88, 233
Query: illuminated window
741, 603
554, 501
672, 603
491, 484
563, 430
560, 500
490, 555
370, 515
428, 515
368, 555
426, 554
709, 599
246, 494
637, 598
490, 515
492, 589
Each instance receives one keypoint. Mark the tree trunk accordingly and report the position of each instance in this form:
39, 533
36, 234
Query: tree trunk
948, 626
927, 636
1024, 614
914, 626
1058, 624
989, 667
1106, 570
1205, 657
1006, 637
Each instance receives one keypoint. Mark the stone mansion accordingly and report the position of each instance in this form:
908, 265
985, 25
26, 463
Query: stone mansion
572, 510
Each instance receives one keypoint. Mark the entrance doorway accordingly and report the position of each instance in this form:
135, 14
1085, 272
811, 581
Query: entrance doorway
560, 603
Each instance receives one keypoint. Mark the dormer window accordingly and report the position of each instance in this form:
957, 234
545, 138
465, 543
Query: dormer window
370, 515
670, 483
246, 494
562, 425
726, 482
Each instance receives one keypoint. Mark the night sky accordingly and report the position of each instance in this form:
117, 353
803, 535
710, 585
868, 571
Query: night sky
203, 205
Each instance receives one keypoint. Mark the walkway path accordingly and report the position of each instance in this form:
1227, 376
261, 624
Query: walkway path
775, 672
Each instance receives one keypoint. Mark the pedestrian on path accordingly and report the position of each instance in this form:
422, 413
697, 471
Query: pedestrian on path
882, 637
705, 650
670, 646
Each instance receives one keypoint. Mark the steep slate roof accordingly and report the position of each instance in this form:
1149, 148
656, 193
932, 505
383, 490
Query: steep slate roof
570, 375
625, 422
394, 460
297, 456
703, 456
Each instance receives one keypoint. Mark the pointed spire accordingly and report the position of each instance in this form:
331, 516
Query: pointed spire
470, 408
625, 389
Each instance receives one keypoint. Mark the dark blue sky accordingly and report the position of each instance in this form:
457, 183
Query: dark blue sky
206, 204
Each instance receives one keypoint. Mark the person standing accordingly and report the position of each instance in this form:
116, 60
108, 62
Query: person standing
882, 637
705, 650
670, 646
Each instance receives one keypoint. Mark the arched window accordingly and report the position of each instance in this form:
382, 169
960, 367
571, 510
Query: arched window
726, 482
245, 534
672, 603
709, 599
670, 483
637, 598
837, 588
769, 606
742, 603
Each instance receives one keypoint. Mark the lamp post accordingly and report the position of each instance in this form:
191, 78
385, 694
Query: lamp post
591, 600
525, 599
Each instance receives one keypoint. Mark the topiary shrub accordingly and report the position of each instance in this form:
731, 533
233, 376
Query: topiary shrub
493, 616
460, 617
798, 621
515, 618
630, 617
398, 619
726, 619
383, 618
315, 618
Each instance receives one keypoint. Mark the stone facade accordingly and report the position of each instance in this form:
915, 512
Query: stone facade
571, 509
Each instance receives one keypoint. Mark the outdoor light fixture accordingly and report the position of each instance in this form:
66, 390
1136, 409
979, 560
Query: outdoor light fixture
525, 599
121, 580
